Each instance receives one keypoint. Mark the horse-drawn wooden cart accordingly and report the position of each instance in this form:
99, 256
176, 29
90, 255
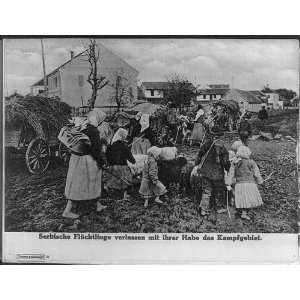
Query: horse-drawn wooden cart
31, 128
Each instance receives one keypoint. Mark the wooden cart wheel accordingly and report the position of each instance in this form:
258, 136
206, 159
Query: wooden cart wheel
37, 156
64, 153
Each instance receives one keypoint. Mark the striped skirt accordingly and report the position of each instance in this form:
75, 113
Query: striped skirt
247, 195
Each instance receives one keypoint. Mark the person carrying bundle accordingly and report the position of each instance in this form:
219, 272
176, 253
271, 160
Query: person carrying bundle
84, 178
150, 185
141, 135
118, 153
212, 161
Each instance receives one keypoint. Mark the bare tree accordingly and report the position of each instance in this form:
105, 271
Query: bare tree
180, 90
122, 90
96, 80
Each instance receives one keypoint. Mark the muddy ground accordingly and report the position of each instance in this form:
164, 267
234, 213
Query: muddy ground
35, 203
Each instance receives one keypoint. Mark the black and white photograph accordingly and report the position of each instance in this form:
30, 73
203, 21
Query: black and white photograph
151, 135
157, 139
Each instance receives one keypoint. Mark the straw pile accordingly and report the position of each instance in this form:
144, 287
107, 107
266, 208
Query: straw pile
40, 113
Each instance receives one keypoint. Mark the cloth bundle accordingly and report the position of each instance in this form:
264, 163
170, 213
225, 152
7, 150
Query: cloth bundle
168, 153
137, 168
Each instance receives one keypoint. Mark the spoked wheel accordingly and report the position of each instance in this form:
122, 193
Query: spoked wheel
64, 153
37, 156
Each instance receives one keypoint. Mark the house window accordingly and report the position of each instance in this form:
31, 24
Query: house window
55, 82
204, 97
210, 97
80, 80
152, 93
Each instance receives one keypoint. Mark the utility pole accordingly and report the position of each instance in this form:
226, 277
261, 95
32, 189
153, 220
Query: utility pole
44, 68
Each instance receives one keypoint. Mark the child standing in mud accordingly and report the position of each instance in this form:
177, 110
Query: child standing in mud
212, 161
246, 174
150, 185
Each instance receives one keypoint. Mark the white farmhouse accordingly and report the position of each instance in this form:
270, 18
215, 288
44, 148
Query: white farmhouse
69, 80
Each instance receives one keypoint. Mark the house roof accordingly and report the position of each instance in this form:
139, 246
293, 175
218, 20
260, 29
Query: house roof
41, 81
219, 86
248, 96
213, 91
155, 85
257, 93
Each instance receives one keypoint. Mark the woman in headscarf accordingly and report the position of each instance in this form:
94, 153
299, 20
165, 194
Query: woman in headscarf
150, 185
142, 139
84, 178
198, 130
118, 154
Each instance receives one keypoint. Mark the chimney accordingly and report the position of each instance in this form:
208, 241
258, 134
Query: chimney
72, 54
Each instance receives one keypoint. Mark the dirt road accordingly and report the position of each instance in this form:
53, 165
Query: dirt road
35, 203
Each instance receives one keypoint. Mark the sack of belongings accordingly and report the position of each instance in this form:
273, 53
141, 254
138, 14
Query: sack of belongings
75, 140
168, 153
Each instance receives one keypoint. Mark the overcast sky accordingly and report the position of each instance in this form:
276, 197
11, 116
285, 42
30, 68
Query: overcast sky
247, 64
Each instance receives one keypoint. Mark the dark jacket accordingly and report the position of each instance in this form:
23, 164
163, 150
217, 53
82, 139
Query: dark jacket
118, 153
216, 160
135, 128
95, 150
245, 128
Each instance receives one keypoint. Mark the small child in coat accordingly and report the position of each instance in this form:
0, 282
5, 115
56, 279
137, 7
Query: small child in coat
246, 174
150, 185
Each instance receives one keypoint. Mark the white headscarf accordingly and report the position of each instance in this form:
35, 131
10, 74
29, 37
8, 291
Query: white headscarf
243, 152
144, 121
200, 113
96, 117
236, 145
154, 151
120, 135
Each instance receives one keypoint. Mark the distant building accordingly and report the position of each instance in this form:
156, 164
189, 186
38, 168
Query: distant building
295, 101
154, 91
69, 80
260, 95
213, 92
246, 100
274, 101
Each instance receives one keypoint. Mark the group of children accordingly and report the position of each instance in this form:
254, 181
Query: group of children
241, 174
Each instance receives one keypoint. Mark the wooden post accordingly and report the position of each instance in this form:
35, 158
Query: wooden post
44, 68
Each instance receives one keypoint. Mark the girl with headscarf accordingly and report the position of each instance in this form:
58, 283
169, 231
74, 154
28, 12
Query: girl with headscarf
84, 178
150, 185
246, 174
118, 154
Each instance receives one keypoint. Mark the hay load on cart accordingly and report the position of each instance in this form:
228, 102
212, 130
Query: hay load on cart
157, 116
31, 127
230, 112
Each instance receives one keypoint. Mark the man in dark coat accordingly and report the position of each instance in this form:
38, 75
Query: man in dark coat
212, 160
